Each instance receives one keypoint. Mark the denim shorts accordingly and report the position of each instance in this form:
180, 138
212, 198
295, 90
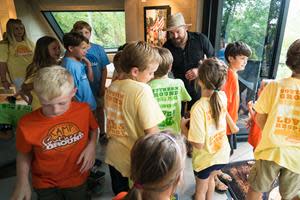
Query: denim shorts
204, 174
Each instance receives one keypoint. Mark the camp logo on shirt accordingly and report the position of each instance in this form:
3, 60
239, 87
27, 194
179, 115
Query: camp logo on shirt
289, 126
62, 136
115, 118
22, 50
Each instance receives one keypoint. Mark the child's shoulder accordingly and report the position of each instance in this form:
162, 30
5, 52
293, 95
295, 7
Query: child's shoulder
69, 62
129, 84
96, 47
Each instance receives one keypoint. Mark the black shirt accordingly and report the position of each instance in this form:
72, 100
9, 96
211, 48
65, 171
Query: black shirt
185, 59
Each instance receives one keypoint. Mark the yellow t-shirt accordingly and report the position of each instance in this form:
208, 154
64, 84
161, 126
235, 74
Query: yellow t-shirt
280, 140
17, 56
203, 130
131, 108
35, 104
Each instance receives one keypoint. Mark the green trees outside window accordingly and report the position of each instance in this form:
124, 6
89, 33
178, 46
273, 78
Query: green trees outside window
108, 26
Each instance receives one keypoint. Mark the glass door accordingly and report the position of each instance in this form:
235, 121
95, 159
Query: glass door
257, 23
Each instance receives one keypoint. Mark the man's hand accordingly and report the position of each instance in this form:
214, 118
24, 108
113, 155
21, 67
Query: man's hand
191, 74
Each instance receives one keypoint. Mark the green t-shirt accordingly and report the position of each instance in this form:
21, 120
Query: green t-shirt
169, 93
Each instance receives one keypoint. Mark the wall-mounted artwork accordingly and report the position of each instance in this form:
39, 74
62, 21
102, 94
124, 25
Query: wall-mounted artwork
155, 23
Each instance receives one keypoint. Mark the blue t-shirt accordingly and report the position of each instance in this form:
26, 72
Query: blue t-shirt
98, 58
84, 92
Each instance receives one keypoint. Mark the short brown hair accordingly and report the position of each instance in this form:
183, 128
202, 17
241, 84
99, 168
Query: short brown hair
116, 62
293, 57
73, 39
79, 25
138, 54
236, 49
165, 64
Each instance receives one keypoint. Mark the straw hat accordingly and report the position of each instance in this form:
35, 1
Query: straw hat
175, 21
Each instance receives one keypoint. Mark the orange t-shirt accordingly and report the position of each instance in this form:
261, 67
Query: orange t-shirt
254, 136
120, 196
56, 144
232, 91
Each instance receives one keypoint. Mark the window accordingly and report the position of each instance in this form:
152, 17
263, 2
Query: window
291, 33
108, 27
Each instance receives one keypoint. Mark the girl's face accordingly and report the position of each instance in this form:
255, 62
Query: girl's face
54, 50
18, 30
146, 75
86, 33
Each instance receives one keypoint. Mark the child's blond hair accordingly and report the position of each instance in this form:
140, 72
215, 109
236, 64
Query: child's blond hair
52, 82
165, 64
138, 54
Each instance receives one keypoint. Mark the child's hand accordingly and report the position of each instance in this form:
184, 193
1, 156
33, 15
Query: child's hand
183, 125
6, 84
87, 157
22, 192
89, 69
86, 61
249, 123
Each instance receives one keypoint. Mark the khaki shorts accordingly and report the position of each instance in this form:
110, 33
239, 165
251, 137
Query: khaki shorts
264, 173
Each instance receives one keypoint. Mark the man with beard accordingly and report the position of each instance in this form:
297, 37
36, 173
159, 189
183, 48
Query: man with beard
187, 48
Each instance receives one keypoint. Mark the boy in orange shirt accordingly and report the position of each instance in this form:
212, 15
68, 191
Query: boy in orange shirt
236, 55
53, 142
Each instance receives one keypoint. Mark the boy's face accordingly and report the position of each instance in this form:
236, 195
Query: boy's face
238, 63
56, 106
54, 50
146, 75
79, 51
85, 32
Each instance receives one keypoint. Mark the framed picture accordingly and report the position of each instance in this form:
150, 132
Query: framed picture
155, 23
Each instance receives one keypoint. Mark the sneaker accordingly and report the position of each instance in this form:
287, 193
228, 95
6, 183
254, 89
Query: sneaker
95, 183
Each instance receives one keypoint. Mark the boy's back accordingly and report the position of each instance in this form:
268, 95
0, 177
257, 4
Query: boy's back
131, 109
280, 100
84, 92
169, 93
98, 58
56, 144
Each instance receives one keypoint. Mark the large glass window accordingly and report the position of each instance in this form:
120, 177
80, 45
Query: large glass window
108, 27
255, 22
291, 33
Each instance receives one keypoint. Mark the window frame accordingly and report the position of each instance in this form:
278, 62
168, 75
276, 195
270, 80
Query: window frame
211, 27
59, 32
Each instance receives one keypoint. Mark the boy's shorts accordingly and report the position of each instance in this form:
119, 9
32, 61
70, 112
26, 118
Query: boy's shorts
74, 193
264, 173
204, 174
